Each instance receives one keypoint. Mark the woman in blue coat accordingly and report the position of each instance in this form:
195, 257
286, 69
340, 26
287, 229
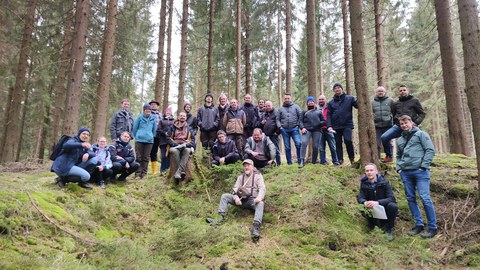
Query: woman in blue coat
144, 129
76, 160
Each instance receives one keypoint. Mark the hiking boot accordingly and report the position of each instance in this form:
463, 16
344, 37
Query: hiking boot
256, 231
340, 162
416, 230
389, 233
85, 185
177, 175
387, 159
352, 161
102, 184
300, 164
60, 182
431, 233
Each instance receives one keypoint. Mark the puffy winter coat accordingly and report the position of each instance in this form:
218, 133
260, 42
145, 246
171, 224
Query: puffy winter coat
122, 149
290, 116
382, 112
234, 121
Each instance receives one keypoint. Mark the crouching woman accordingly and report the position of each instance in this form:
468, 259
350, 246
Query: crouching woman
123, 158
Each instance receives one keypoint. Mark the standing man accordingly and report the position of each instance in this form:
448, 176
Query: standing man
250, 111
121, 121
260, 110
406, 105
156, 140
340, 121
144, 129
376, 190
415, 153
312, 128
270, 128
222, 109
260, 149
181, 143
191, 119
382, 111
327, 136
208, 120
234, 122
290, 120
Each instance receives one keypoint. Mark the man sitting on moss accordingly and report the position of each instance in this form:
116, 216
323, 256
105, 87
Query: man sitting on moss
248, 192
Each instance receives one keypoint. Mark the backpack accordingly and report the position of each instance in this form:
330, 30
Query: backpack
58, 147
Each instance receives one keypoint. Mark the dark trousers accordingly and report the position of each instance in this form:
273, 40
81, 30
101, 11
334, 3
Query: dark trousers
98, 176
142, 152
124, 172
391, 209
165, 160
239, 141
346, 135
257, 163
276, 141
208, 138
154, 152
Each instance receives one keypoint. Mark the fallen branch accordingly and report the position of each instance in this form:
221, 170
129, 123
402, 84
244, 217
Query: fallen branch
55, 223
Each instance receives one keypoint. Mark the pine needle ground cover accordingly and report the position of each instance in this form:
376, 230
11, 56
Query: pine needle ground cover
311, 221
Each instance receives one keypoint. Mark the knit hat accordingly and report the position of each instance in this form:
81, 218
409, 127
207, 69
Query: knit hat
168, 109
82, 130
146, 106
310, 98
337, 84
154, 101
208, 95
221, 132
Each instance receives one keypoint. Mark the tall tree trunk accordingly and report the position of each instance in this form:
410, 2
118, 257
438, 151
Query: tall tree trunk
161, 45
248, 64
24, 113
103, 90
168, 62
288, 47
468, 14
456, 123
311, 49
6, 119
12, 138
320, 64
74, 89
346, 47
238, 70
59, 103
183, 58
279, 58
211, 32
368, 145
42, 132
378, 7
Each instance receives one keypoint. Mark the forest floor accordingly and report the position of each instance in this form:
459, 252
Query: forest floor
311, 221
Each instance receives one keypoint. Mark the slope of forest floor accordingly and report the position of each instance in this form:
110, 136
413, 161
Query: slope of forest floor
311, 221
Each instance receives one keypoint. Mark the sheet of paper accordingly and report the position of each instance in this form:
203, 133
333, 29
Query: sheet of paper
379, 212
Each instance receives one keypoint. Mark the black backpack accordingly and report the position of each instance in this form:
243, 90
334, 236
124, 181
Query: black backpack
58, 147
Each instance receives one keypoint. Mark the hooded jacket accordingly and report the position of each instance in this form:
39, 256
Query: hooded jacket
234, 121
144, 128
381, 191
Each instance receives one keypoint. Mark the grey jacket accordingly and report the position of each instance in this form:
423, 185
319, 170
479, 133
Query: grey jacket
268, 147
121, 121
290, 116
418, 153
382, 112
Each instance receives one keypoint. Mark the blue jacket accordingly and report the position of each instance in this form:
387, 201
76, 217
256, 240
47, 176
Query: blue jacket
122, 149
340, 113
72, 152
144, 128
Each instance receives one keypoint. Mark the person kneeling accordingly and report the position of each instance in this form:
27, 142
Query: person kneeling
376, 190
260, 149
123, 158
103, 169
224, 150
248, 192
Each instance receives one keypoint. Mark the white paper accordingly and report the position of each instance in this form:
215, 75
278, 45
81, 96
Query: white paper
379, 212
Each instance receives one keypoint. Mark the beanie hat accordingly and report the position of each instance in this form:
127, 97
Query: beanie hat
146, 106
221, 132
337, 84
186, 105
82, 130
208, 95
168, 109
310, 98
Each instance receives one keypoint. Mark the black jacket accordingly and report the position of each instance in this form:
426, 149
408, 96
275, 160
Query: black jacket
410, 106
313, 120
271, 126
251, 115
382, 192
225, 150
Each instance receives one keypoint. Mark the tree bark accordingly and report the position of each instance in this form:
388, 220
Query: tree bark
24, 112
311, 49
468, 14
103, 90
320, 64
6, 119
168, 62
288, 47
378, 7
60, 101
279, 59
238, 70
12, 138
211, 32
183, 58
368, 145
346, 47
456, 122
161, 45
248, 64
74, 89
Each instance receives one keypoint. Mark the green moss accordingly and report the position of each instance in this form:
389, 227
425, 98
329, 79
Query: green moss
106, 234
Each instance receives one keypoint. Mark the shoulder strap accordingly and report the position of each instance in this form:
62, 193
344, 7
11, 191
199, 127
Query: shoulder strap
407, 140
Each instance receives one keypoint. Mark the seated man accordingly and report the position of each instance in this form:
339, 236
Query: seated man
248, 192
260, 149
103, 169
376, 190
123, 158
181, 143
224, 150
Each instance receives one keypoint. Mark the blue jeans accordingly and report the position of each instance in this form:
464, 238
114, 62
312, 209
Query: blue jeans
276, 142
327, 137
293, 133
387, 136
165, 160
419, 180
84, 169
344, 134
387, 148
316, 136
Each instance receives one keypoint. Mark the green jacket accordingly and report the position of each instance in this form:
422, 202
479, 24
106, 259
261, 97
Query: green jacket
418, 153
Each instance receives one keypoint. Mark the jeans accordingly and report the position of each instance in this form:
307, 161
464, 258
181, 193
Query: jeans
165, 160
293, 133
249, 203
83, 169
387, 136
346, 135
276, 142
419, 180
328, 137
388, 148
316, 136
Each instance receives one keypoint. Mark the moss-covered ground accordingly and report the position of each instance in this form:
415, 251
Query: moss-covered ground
311, 221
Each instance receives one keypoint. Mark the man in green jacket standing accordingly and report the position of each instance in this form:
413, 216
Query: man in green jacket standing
415, 152
383, 118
